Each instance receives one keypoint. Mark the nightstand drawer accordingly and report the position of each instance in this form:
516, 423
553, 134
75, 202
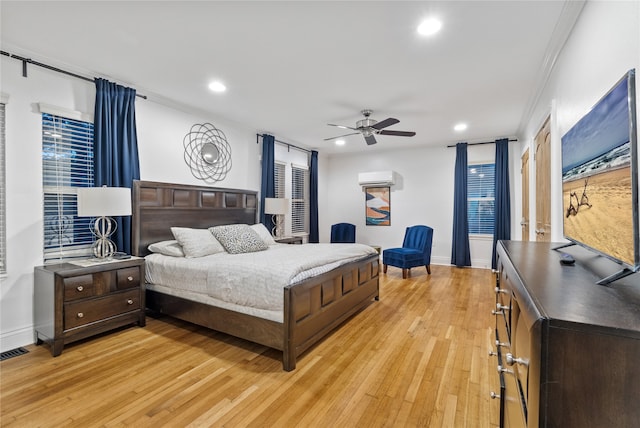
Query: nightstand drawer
78, 287
127, 278
84, 312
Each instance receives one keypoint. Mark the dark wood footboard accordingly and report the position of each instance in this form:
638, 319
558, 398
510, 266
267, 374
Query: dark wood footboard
318, 305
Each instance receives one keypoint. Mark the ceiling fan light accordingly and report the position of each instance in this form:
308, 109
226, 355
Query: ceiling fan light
460, 127
339, 142
429, 26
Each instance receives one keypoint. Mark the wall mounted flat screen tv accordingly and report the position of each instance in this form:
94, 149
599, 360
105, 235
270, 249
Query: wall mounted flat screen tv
599, 179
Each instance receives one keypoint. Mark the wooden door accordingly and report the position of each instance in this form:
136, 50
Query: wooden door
543, 182
525, 196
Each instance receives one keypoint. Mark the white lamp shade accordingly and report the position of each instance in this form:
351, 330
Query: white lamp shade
104, 201
276, 205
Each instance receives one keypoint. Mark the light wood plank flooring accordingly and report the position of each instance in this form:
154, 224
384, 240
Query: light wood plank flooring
417, 357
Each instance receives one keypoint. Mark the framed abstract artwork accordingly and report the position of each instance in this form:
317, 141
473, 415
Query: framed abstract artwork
378, 206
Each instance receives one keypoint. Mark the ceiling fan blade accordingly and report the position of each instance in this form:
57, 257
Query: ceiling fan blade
384, 123
370, 139
342, 126
398, 133
340, 136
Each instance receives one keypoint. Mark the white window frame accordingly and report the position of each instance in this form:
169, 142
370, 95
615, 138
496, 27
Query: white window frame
3, 186
300, 206
490, 197
57, 180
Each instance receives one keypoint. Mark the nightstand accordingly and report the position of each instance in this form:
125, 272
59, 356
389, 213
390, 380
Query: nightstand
289, 240
74, 302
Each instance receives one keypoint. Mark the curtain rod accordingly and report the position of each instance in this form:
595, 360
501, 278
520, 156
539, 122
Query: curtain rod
26, 61
284, 144
484, 142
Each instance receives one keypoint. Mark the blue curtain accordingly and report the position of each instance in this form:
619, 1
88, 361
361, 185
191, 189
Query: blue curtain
268, 186
460, 253
313, 199
502, 220
115, 147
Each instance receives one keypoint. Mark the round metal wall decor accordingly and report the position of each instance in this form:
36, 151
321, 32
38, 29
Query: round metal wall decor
207, 152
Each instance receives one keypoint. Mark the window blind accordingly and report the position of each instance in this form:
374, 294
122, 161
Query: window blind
279, 174
299, 199
67, 163
3, 195
481, 198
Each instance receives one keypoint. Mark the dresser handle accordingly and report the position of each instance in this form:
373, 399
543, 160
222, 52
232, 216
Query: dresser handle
511, 360
503, 344
79, 288
130, 278
494, 395
129, 302
498, 290
492, 354
497, 313
503, 370
80, 315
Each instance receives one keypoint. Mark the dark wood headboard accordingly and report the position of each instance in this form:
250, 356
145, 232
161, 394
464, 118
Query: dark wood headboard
159, 206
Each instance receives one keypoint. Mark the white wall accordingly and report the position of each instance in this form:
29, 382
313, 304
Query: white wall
161, 131
603, 46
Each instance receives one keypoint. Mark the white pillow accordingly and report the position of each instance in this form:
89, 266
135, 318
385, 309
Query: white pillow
168, 248
196, 242
264, 234
238, 238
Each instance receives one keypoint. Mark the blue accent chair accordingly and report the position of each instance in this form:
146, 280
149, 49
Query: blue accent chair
343, 233
415, 251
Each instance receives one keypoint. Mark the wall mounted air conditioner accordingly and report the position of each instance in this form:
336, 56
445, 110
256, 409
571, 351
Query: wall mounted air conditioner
377, 178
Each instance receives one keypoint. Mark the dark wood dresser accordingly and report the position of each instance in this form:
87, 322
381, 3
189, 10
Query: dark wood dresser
567, 350
73, 302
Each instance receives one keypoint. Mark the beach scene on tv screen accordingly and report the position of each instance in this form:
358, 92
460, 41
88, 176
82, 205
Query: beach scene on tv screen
597, 188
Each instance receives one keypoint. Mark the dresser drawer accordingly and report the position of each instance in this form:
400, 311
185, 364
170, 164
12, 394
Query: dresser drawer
127, 278
87, 311
78, 287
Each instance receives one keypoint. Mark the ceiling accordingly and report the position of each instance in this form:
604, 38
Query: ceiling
292, 67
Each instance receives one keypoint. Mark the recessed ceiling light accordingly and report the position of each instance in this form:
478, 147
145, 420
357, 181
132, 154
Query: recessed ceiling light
217, 86
429, 26
339, 142
460, 127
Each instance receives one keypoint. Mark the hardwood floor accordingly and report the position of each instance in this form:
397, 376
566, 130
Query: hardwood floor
417, 357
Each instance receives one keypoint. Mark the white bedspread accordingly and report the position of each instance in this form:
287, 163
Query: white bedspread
252, 280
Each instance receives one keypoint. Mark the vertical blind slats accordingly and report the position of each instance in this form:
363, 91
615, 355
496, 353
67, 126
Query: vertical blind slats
3, 195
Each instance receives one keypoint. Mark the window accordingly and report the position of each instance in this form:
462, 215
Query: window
279, 178
3, 206
67, 163
299, 199
481, 198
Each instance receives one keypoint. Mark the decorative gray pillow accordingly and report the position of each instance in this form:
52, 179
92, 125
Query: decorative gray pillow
264, 234
238, 238
196, 242
168, 248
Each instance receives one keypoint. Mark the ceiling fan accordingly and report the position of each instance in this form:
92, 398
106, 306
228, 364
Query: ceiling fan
369, 127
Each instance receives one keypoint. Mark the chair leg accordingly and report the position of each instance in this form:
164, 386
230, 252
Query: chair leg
384, 268
404, 273
428, 269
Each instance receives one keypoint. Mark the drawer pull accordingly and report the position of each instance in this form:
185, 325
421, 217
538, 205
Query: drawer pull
499, 290
503, 370
502, 307
503, 344
492, 354
79, 288
511, 360
497, 313
129, 302
494, 395
130, 278
80, 315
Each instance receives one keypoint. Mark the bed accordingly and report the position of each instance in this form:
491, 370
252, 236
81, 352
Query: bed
311, 308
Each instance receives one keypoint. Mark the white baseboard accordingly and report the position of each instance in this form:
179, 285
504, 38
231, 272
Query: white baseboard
15, 339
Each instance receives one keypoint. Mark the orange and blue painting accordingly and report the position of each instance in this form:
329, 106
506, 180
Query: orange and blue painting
378, 206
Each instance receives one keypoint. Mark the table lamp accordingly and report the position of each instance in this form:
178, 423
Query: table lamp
104, 202
278, 207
